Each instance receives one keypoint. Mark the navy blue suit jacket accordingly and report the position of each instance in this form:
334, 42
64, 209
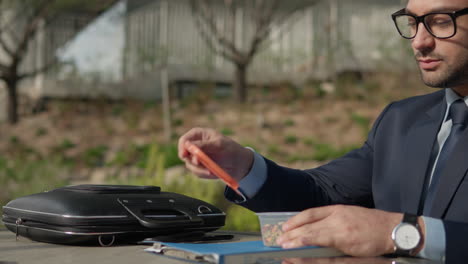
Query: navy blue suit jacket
388, 172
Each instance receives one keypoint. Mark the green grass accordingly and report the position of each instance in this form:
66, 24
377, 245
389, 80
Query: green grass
23, 176
325, 152
289, 123
322, 151
138, 155
14, 140
19, 177
65, 145
273, 149
362, 121
94, 157
177, 122
27, 172
41, 132
290, 139
227, 131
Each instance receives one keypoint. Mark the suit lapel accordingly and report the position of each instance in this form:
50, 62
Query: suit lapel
451, 178
419, 143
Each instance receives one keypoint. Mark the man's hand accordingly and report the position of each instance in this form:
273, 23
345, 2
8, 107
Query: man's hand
228, 154
356, 231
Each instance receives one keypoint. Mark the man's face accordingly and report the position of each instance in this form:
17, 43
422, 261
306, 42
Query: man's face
442, 62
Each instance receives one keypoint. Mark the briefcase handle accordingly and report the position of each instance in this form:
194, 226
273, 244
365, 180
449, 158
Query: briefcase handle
136, 206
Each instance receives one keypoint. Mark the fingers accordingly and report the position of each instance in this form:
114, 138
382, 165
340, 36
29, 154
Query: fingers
308, 216
192, 135
316, 234
228, 154
199, 137
354, 230
199, 170
205, 138
309, 228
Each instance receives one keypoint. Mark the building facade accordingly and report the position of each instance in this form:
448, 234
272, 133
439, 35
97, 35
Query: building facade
328, 37
163, 46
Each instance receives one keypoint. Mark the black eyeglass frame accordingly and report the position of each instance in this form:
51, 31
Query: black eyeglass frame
420, 19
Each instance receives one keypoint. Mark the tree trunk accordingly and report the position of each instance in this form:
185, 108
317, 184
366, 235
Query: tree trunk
240, 83
13, 117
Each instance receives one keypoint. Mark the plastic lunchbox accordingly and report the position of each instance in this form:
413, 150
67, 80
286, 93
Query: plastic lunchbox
271, 224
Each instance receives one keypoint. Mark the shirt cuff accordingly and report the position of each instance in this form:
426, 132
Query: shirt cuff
434, 244
256, 177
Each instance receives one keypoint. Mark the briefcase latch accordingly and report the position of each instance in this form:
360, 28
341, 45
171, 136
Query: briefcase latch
18, 222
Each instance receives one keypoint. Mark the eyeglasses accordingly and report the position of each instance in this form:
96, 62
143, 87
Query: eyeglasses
441, 25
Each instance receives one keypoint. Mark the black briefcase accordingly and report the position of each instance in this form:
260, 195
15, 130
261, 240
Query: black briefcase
108, 214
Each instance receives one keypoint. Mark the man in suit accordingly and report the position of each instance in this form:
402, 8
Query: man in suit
405, 191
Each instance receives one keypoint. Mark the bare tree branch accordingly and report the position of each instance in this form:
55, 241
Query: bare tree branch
207, 17
41, 69
6, 28
210, 43
232, 22
12, 20
10, 27
32, 25
263, 23
5, 46
3, 70
215, 48
265, 15
19, 29
283, 23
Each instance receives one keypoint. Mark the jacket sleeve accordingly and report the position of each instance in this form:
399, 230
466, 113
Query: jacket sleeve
456, 237
346, 180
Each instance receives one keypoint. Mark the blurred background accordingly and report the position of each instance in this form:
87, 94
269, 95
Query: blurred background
99, 91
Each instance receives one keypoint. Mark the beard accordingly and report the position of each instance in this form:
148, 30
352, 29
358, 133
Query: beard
449, 76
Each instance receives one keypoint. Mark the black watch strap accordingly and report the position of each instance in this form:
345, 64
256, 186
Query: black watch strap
410, 219
402, 252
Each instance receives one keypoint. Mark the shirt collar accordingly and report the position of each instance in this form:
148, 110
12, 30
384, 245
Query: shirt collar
451, 97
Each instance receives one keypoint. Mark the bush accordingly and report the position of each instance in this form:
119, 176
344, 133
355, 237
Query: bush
94, 157
241, 219
65, 145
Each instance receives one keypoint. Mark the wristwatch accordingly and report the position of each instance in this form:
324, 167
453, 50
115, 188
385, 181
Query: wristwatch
406, 235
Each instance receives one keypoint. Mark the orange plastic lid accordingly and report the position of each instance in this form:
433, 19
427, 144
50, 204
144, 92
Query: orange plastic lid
208, 163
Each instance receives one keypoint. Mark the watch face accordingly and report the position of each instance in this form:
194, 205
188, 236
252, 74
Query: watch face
406, 236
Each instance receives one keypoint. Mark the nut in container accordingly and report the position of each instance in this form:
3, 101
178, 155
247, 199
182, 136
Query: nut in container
271, 224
